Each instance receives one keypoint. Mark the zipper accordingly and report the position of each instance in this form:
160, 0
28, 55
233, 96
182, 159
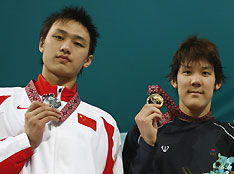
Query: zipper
59, 92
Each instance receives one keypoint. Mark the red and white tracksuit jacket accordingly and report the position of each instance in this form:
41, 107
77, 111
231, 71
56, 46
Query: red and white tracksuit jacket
87, 142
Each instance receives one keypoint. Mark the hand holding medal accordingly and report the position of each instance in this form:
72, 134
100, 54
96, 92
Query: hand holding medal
158, 96
149, 116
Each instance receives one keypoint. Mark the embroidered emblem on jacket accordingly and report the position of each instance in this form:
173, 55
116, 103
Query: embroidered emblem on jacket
164, 148
213, 152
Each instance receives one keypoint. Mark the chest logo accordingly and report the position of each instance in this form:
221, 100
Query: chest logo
18, 107
164, 148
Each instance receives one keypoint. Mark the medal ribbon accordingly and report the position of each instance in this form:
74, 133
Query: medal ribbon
173, 109
66, 111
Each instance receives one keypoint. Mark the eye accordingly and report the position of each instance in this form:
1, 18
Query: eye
58, 37
187, 72
78, 44
205, 73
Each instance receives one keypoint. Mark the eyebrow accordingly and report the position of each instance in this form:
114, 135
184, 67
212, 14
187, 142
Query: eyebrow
207, 67
203, 67
74, 36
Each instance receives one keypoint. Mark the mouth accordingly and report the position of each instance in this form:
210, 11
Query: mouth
196, 92
63, 57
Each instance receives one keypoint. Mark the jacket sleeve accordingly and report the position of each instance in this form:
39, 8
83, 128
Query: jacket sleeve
138, 156
14, 152
117, 153
114, 163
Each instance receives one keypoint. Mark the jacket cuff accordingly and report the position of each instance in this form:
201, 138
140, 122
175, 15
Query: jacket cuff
146, 146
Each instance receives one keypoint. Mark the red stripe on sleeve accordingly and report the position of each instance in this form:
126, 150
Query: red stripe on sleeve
3, 98
109, 161
15, 163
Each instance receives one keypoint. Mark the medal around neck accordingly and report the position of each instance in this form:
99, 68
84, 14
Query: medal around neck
66, 111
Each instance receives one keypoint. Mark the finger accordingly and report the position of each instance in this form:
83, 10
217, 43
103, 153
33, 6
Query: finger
153, 107
42, 108
34, 105
47, 119
157, 105
153, 117
149, 119
149, 109
47, 113
155, 123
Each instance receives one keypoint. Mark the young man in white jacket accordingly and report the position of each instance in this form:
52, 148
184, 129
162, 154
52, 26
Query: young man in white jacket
45, 127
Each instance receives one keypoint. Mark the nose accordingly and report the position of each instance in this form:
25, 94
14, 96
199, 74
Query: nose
65, 48
196, 80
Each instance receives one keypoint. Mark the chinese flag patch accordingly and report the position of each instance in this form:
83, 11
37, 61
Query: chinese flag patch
86, 121
3, 98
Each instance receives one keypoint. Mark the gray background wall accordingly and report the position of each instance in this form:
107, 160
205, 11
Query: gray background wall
138, 40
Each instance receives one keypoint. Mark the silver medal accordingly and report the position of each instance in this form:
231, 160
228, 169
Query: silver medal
51, 100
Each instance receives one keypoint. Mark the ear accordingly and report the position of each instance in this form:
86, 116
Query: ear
217, 86
88, 61
174, 83
41, 45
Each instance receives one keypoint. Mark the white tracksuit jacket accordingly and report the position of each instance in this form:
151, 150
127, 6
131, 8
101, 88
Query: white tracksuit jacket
89, 144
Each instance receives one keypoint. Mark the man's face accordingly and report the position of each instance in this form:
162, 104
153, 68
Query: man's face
196, 84
65, 49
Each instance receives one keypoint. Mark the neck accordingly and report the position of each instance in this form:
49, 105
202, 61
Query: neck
53, 79
195, 112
